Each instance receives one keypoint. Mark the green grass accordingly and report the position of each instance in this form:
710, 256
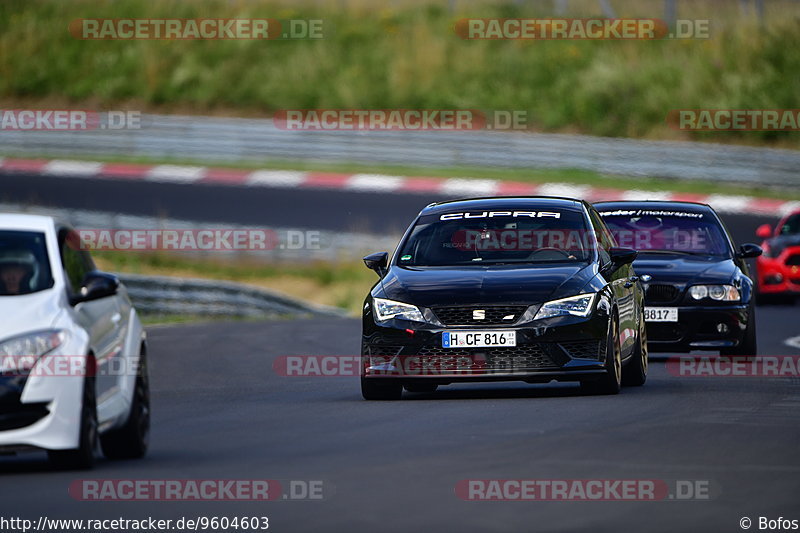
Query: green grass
406, 55
341, 284
565, 176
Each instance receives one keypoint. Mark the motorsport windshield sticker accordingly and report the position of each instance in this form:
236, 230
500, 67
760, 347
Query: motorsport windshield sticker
649, 213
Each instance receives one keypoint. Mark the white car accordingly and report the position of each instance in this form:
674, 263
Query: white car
73, 372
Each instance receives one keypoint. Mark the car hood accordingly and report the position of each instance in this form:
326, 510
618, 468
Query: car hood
487, 285
28, 312
680, 269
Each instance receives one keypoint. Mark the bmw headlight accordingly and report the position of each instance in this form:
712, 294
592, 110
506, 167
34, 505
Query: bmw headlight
580, 305
387, 309
34, 344
719, 293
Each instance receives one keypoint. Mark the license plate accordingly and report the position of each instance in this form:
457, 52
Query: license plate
478, 339
661, 314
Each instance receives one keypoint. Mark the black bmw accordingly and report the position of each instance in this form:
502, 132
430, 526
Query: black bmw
498, 289
698, 291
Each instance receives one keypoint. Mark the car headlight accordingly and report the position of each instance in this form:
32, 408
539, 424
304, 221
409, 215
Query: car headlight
720, 293
35, 344
386, 309
580, 305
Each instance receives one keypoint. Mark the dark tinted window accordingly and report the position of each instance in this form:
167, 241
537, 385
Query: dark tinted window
667, 230
24, 264
77, 263
498, 237
791, 226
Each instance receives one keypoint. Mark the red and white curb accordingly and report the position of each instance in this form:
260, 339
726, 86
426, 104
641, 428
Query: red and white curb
461, 187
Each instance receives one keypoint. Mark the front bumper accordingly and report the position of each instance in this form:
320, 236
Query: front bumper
40, 411
776, 277
698, 328
562, 349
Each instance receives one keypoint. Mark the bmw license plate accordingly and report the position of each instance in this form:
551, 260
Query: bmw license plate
661, 314
478, 339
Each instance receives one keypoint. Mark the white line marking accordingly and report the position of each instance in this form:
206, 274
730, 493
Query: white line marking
72, 168
276, 178
564, 189
374, 182
468, 187
638, 195
729, 204
176, 173
794, 342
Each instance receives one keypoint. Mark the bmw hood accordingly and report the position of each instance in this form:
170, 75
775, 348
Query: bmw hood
28, 312
483, 285
683, 269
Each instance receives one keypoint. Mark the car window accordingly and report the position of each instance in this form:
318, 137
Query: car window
605, 239
791, 226
77, 263
24, 263
522, 237
662, 230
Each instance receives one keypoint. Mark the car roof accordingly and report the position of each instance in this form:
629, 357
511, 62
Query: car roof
24, 222
505, 202
692, 207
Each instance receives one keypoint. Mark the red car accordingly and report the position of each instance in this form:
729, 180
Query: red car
778, 268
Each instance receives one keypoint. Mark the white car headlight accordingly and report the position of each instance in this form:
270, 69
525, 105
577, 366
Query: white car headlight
386, 309
580, 305
34, 344
720, 293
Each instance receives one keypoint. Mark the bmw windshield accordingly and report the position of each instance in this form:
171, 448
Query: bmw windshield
497, 238
664, 231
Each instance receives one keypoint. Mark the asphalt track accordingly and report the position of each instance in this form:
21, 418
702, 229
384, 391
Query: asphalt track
220, 411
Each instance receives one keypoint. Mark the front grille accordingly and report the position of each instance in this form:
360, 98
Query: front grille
793, 260
583, 349
664, 332
661, 294
523, 357
492, 315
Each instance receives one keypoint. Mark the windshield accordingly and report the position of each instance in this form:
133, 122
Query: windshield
497, 237
682, 232
24, 266
791, 226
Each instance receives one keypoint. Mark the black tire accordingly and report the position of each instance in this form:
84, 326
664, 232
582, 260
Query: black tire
421, 387
611, 381
382, 389
132, 440
634, 374
82, 457
749, 344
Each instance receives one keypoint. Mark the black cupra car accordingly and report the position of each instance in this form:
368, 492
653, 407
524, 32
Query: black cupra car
698, 290
529, 289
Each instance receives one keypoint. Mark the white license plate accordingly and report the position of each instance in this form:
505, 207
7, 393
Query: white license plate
661, 314
478, 339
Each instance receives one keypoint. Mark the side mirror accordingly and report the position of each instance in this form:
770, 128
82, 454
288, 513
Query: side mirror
377, 262
749, 250
96, 285
764, 231
622, 256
